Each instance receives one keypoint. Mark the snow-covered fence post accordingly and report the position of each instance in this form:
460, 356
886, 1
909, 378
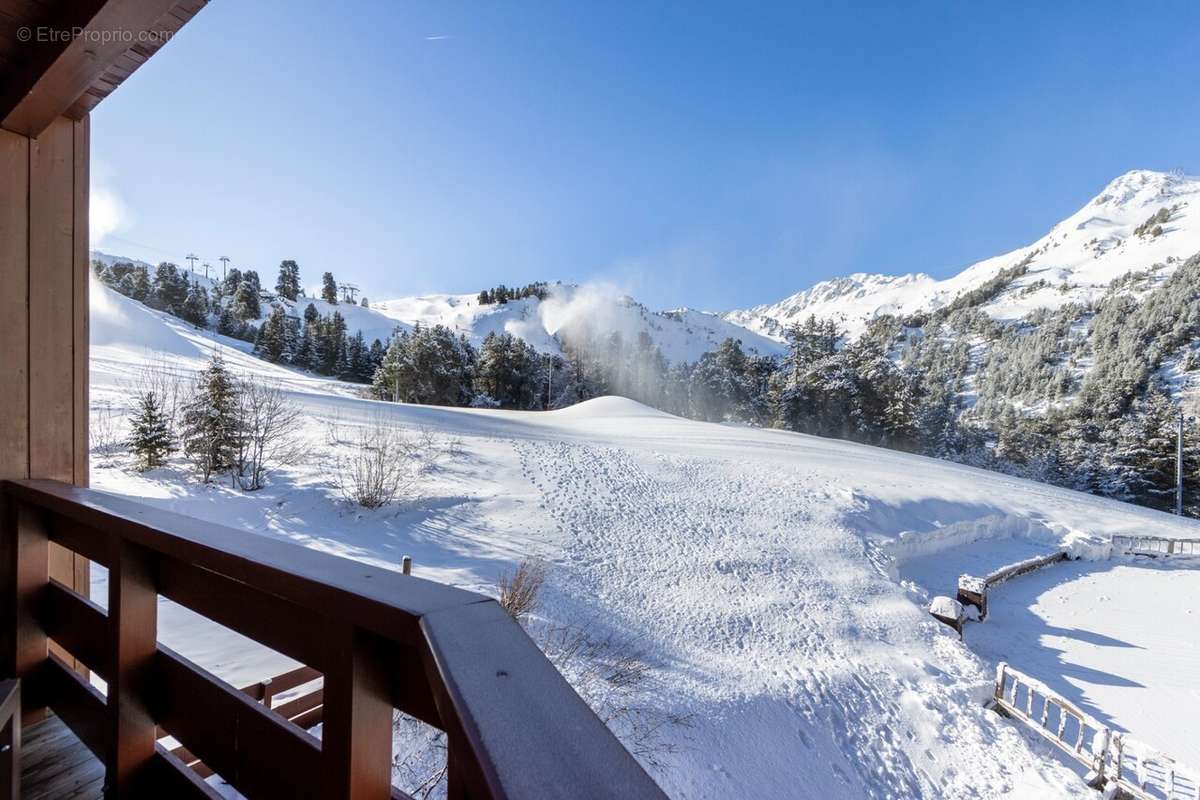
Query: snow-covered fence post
1095, 778
972, 591
406, 565
999, 693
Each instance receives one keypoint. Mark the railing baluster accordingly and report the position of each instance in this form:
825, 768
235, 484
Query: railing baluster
356, 738
133, 627
26, 571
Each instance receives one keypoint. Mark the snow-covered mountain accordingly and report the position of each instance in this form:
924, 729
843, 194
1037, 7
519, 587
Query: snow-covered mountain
682, 335
1074, 262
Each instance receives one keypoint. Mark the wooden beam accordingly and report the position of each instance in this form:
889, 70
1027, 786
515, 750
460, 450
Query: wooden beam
69, 52
133, 626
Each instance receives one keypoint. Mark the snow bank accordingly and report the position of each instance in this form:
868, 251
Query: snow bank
608, 407
911, 544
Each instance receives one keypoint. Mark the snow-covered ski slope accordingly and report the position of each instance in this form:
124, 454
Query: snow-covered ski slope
747, 564
370, 322
1077, 259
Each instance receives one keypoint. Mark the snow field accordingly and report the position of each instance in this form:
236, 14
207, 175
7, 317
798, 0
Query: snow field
744, 563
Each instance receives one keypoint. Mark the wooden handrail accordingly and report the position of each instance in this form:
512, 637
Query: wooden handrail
381, 640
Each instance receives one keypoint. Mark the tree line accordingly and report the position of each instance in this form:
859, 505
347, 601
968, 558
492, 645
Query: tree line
1076, 397
234, 306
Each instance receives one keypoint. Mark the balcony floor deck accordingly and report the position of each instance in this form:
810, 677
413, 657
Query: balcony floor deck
55, 765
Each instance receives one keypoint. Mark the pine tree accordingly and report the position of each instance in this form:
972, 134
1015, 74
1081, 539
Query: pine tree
245, 303
210, 419
251, 277
329, 289
195, 308
233, 279
271, 342
329, 344
288, 284
135, 284
150, 438
170, 288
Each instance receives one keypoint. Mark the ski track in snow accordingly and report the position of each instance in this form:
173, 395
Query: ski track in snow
659, 544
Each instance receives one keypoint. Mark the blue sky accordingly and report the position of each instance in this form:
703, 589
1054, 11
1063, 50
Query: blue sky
709, 155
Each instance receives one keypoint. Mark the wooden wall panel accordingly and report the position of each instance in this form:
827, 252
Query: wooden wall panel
44, 314
81, 274
52, 303
14, 317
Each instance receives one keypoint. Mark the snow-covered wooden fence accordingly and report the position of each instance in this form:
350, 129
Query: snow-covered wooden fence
1110, 757
1143, 772
974, 591
1050, 715
1155, 546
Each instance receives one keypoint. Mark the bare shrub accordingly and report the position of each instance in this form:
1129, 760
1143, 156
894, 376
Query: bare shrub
265, 438
380, 467
519, 589
168, 385
104, 431
335, 433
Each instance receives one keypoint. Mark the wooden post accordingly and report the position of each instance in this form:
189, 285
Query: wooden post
356, 740
406, 565
133, 625
26, 568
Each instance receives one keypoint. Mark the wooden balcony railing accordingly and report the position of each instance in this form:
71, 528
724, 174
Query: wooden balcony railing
382, 641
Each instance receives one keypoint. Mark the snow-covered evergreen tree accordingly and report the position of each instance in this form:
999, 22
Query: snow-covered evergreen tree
150, 438
195, 307
209, 419
329, 289
287, 285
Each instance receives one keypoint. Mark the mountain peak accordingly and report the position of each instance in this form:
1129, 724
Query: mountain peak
1110, 236
1142, 187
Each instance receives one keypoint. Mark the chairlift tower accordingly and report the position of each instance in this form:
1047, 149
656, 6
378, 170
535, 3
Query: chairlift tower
192, 258
349, 290
224, 266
